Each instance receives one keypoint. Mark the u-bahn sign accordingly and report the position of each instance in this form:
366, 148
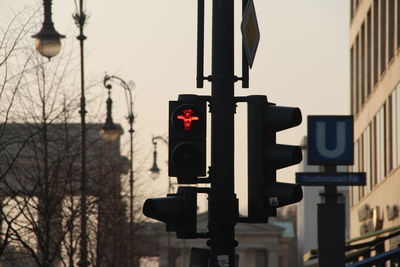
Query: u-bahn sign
330, 140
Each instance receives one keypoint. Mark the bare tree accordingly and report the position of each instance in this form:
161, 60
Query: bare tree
40, 167
39, 172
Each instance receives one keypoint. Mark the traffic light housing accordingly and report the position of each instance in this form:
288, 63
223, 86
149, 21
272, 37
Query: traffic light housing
178, 211
187, 138
265, 157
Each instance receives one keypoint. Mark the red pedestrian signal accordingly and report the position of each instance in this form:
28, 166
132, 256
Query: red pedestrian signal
187, 138
187, 118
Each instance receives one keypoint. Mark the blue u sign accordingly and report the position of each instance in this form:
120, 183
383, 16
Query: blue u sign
330, 140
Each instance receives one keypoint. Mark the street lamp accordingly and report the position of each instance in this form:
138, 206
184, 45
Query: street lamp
48, 44
154, 171
110, 132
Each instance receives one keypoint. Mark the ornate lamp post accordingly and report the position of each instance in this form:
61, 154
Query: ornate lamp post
48, 44
110, 132
154, 172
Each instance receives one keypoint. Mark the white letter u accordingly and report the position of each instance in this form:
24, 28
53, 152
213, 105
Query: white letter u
340, 140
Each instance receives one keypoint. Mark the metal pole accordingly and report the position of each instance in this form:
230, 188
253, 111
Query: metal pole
47, 12
83, 262
331, 227
169, 263
130, 260
157, 171
223, 205
131, 119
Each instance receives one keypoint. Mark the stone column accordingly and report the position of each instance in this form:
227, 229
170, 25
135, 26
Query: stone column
273, 258
163, 261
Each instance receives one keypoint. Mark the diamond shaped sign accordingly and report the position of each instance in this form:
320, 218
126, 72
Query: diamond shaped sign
250, 32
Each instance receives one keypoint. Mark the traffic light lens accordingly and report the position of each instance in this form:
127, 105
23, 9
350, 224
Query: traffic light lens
187, 118
186, 157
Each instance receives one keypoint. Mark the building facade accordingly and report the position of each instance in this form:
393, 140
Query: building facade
375, 104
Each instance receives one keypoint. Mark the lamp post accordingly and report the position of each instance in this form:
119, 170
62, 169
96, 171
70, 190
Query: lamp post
48, 44
154, 172
110, 132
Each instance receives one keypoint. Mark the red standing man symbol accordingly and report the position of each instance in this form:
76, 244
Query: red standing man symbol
187, 118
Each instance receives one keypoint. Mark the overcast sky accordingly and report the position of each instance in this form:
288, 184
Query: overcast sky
302, 60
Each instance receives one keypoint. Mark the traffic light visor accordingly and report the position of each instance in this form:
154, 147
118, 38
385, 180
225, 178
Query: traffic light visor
164, 209
279, 118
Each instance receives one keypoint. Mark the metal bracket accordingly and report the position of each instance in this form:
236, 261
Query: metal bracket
193, 180
251, 220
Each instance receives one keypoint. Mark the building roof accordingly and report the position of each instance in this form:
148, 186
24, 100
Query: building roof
288, 228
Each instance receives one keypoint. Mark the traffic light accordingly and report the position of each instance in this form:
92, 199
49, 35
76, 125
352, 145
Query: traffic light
187, 138
265, 157
178, 211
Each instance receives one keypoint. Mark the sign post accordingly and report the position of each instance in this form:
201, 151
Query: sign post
330, 143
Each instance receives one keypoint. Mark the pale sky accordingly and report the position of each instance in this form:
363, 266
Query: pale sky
302, 60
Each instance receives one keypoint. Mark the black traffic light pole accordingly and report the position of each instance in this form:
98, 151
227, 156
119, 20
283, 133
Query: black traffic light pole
223, 204
331, 227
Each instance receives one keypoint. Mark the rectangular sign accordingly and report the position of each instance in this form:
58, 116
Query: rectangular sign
339, 178
330, 140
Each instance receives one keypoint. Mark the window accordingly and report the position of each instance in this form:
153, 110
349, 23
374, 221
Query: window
375, 41
398, 23
351, 8
366, 138
389, 137
356, 196
361, 162
380, 144
373, 153
368, 48
383, 35
397, 126
393, 126
391, 30
352, 80
357, 71
362, 64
